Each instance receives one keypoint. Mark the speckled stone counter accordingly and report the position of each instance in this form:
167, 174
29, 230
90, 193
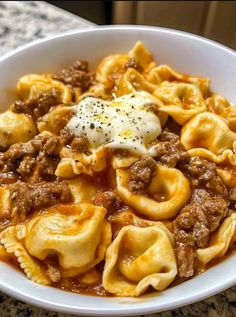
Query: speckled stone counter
22, 22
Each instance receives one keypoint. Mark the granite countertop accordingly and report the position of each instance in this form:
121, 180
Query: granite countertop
22, 22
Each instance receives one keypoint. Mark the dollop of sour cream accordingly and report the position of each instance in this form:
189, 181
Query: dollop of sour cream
126, 122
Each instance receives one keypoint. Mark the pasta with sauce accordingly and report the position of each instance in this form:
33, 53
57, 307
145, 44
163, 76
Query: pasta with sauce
119, 181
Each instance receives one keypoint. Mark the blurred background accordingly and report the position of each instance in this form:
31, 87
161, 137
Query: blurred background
212, 19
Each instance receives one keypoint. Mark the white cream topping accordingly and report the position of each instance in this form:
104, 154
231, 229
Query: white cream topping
122, 123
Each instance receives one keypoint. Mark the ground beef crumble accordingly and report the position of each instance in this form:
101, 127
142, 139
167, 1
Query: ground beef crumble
80, 144
169, 151
54, 273
109, 200
202, 173
37, 107
27, 197
39, 156
78, 75
65, 137
141, 174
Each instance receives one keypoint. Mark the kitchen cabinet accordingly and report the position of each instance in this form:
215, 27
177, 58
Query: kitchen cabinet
212, 19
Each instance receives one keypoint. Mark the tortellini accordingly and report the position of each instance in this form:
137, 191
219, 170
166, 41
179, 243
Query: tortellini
162, 73
131, 81
180, 100
225, 237
99, 91
32, 85
168, 191
5, 205
73, 164
142, 56
113, 66
15, 128
77, 234
221, 106
56, 119
82, 189
138, 258
125, 218
119, 161
208, 135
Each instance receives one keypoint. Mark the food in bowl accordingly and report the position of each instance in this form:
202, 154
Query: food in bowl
119, 181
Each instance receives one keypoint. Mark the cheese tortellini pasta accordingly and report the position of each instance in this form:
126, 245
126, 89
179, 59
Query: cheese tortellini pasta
14, 128
32, 85
55, 119
221, 106
139, 258
78, 235
168, 191
180, 100
162, 73
208, 135
117, 181
112, 67
224, 238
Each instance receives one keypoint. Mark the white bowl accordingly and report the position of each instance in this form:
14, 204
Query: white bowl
185, 53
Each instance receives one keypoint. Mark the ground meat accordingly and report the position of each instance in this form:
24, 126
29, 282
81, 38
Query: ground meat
232, 195
202, 173
80, 144
141, 174
65, 137
41, 153
109, 200
132, 64
192, 227
172, 126
78, 75
37, 107
27, 197
201, 234
202, 215
17, 151
47, 147
169, 150
11, 159
8, 178
185, 257
53, 273
214, 208
27, 165
47, 143
46, 165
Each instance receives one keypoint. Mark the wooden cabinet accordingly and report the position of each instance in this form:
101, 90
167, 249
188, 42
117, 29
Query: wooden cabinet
212, 19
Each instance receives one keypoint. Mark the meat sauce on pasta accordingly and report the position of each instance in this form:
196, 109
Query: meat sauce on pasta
117, 181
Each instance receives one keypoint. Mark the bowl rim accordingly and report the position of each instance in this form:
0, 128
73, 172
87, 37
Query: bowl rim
31, 299
118, 27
